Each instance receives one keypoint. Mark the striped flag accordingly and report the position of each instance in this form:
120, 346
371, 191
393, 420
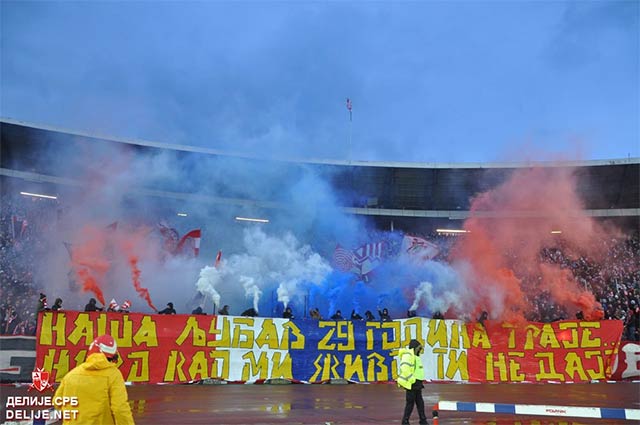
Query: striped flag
195, 235
419, 248
368, 257
343, 260
360, 261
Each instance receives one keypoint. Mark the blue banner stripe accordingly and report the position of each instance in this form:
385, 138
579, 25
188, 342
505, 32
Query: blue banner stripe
466, 407
607, 413
505, 408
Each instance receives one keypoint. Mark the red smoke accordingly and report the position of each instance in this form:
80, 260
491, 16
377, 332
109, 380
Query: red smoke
89, 261
99, 249
135, 273
508, 228
131, 244
89, 283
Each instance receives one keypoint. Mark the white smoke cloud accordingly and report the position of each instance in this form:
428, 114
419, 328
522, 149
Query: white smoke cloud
267, 261
210, 277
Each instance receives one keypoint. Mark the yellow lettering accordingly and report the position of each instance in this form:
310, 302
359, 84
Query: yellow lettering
437, 333
376, 369
83, 329
350, 345
547, 359
353, 366
243, 338
220, 364
281, 369
48, 328
291, 328
480, 337
514, 367
396, 335
598, 373
253, 366
511, 341
146, 333
139, 371
548, 337
571, 342
323, 367
199, 366
412, 328
455, 335
124, 339
61, 366
440, 352
225, 333
500, 364
457, 363
574, 365
268, 335
532, 332
175, 362
324, 344
586, 341
369, 333
198, 339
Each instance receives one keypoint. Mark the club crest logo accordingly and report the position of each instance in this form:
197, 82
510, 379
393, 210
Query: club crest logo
40, 380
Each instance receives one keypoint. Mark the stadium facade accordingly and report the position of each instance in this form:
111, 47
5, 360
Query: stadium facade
414, 197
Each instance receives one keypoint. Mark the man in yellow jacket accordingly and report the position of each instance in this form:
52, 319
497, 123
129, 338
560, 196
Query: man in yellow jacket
99, 387
410, 378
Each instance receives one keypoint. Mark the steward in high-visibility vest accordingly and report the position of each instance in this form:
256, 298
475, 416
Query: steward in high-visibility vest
410, 378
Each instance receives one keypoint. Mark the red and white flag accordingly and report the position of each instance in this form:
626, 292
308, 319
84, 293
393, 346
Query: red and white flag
195, 235
126, 305
218, 259
343, 260
113, 304
419, 248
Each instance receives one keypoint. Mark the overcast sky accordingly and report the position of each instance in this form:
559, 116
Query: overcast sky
429, 81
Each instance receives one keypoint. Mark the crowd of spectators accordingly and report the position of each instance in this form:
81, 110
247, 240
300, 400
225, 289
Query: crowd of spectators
615, 282
21, 221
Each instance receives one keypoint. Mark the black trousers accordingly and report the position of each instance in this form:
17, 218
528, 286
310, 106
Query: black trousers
414, 397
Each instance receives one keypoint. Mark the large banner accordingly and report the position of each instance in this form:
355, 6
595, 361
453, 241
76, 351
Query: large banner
184, 348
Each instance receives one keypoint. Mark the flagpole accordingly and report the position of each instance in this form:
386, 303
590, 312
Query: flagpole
349, 106
350, 125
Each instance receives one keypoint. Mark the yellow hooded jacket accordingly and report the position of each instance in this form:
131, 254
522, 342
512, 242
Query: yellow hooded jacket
102, 396
411, 369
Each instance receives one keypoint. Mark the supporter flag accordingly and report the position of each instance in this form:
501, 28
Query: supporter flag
126, 305
368, 257
343, 260
218, 259
170, 236
419, 248
193, 235
361, 261
349, 106
113, 304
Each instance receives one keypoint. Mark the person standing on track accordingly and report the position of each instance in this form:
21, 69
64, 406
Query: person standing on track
410, 378
98, 386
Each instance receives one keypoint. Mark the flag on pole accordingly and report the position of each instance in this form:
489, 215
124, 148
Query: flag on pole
126, 305
113, 305
419, 248
195, 235
349, 106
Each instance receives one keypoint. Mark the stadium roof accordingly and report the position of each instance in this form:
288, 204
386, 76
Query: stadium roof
382, 190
